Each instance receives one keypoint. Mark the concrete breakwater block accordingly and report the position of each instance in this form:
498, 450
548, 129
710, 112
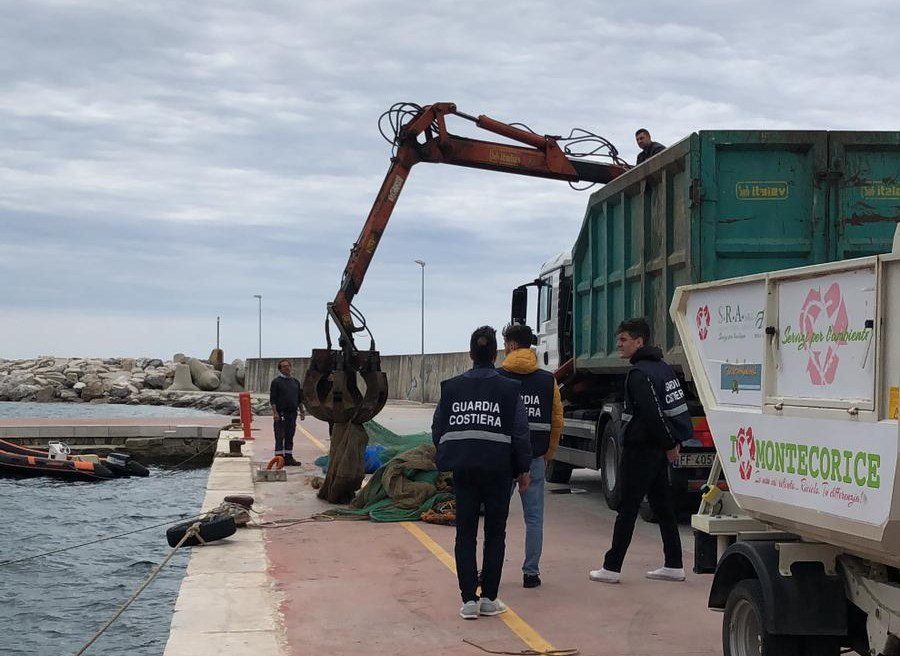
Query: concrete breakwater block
229, 382
204, 377
269, 475
182, 380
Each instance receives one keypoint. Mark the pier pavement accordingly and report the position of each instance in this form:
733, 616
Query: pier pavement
363, 588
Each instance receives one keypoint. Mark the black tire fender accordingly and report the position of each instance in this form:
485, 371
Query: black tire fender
786, 608
211, 529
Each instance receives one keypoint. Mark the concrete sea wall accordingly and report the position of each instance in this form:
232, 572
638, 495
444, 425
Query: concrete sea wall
404, 373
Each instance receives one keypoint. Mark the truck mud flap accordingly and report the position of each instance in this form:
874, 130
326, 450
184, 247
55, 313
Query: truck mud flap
788, 610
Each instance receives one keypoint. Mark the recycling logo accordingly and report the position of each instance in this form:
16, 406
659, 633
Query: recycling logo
746, 452
703, 321
818, 312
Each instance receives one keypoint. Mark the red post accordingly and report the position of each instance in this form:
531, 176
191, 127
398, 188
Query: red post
246, 415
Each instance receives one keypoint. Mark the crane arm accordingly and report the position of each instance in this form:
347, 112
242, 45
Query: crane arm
331, 386
424, 138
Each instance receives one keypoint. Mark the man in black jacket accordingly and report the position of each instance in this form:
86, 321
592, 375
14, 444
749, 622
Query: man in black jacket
656, 421
480, 429
648, 147
286, 399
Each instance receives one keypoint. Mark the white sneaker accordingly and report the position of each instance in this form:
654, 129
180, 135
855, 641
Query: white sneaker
604, 576
491, 607
667, 574
469, 610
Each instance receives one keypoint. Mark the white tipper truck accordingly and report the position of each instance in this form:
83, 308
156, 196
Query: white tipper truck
803, 410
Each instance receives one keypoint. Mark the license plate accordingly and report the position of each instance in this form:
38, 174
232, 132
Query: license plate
695, 459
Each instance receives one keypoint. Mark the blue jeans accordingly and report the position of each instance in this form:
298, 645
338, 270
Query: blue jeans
533, 511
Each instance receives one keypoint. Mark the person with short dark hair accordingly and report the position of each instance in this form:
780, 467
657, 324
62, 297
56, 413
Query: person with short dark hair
480, 430
656, 421
286, 399
648, 147
543, 404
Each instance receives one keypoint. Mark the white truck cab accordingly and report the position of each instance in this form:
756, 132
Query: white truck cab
551, 309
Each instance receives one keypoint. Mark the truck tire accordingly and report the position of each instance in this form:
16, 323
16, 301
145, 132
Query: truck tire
558, 472
743, 625
610, 462
646, 513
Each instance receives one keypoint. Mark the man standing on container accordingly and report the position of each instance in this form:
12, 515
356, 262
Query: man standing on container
656, 421
286, 399
543, 406
648, 147
480, 430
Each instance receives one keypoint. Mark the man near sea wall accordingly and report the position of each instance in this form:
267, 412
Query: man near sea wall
286, 398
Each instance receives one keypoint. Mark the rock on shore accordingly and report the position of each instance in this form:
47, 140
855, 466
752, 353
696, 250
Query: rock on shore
132, 381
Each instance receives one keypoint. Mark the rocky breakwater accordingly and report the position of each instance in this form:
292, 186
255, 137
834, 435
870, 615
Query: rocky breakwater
181, 382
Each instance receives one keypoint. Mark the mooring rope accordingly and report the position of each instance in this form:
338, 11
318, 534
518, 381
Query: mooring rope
181, 518
193, 531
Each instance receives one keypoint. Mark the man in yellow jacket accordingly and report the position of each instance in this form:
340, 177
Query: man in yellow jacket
545, 421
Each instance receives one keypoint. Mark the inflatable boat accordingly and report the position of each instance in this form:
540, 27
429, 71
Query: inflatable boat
19, 461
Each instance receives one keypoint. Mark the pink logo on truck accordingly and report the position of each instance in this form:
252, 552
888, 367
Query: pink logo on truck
746, 452
820, 317
703, 322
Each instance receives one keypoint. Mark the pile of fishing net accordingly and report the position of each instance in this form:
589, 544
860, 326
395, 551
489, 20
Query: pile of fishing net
407, 484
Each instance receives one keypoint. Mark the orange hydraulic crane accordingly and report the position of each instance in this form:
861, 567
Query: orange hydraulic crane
331, 386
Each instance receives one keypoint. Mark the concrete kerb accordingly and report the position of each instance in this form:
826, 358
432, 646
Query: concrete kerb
227, 603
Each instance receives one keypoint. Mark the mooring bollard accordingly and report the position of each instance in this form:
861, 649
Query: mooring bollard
246, 414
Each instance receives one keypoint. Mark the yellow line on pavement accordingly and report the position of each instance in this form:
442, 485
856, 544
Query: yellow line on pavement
515, 623
512, 620
313, 439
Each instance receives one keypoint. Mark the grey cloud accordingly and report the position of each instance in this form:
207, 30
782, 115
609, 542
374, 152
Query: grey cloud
144, 143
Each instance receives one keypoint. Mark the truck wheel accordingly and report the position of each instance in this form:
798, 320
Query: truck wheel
743, 626
558, 472
647, 514
610, 460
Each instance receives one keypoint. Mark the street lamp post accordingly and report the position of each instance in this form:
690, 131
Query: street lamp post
258, 297
421, 263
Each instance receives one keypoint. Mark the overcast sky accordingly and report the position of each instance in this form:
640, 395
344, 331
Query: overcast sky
162, 162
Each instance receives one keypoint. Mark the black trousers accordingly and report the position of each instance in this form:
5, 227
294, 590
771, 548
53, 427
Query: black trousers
644, 472
472, 488
285, 427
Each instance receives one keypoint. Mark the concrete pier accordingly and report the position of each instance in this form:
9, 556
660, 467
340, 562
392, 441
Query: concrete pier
362, 588
228, 602
151, 441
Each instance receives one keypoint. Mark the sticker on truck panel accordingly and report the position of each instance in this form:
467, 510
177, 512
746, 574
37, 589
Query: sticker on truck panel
730, 336
825, 342
762, 190
737, 377
881, 191
808, 463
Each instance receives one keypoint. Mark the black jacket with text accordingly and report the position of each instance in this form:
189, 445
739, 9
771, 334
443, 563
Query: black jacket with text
656, 412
